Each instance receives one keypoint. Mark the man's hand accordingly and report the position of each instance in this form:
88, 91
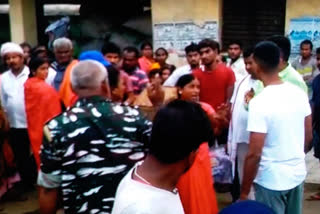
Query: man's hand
252, 162
223, 115
243, 197
308, 134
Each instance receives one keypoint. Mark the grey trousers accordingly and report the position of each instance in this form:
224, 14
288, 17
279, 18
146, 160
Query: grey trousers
282, 202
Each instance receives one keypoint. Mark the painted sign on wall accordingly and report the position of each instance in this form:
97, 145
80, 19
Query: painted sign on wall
176, 36
301, 29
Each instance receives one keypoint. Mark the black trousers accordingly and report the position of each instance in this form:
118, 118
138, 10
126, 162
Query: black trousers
235, 189
26, 166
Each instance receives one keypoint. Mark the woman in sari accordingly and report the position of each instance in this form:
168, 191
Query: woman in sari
42, 103
146, 61
8, 173
196, 185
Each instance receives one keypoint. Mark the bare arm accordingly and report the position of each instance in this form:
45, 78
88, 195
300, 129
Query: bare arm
48, 199
229, 93
252, 162
131, 98
308, 133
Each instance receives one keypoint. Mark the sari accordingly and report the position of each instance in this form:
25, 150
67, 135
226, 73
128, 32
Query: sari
145, 64
8, 172
66, 94
42, 103
196, 185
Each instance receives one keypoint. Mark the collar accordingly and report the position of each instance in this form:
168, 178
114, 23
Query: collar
25, 71
300, 58
285, 71
237, 62
90, 100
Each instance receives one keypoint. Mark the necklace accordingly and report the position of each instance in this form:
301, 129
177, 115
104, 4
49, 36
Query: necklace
140, 177
174, 191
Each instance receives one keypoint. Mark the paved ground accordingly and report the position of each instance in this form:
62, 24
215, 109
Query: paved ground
310, 207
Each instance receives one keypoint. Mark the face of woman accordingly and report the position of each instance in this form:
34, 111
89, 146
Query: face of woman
147, 51
161, 56
42, 71
165, 74
191, 91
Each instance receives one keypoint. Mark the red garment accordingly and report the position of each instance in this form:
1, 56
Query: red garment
214, 84
67, 95
42, 104
196, 185
207, 108
145, 64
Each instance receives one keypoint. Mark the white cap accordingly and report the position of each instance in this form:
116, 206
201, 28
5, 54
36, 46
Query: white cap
10, 47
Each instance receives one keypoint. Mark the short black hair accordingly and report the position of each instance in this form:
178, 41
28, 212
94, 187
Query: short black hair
35, 63
235, 42
153, 73
248, 52
284, 45
167, 67
185, 80
193, 47
110, 47
267, 56
145, 44
25, 44
318, 51
131, 49
306, 42
209, 43
113, 76
178, 129
165, 50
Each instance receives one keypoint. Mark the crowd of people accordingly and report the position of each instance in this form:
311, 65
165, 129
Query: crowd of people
123, 131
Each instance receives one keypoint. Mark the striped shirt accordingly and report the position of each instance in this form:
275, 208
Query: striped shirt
139, 80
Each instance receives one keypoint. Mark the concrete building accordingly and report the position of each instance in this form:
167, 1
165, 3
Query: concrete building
247, 20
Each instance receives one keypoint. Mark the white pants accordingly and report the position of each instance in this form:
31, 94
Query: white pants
242, 150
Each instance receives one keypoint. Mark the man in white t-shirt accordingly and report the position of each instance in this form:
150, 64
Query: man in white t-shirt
280, 133
238, 136
150, 187
193, 58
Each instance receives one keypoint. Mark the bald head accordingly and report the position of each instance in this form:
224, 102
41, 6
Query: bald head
88, 77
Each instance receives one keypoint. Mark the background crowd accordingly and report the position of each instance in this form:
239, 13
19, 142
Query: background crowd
138, 131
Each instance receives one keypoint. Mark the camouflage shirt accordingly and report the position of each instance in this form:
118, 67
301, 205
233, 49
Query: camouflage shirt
88, 149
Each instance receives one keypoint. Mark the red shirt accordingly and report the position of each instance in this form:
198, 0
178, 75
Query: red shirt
214, 84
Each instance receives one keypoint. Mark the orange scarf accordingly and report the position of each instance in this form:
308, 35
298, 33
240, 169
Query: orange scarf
42, 104
66, 94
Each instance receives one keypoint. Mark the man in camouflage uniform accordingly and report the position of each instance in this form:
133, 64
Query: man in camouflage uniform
89, 148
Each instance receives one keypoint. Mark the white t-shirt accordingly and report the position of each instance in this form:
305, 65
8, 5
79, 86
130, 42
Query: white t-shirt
12, 97
280, 111
134, 197
175, 76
